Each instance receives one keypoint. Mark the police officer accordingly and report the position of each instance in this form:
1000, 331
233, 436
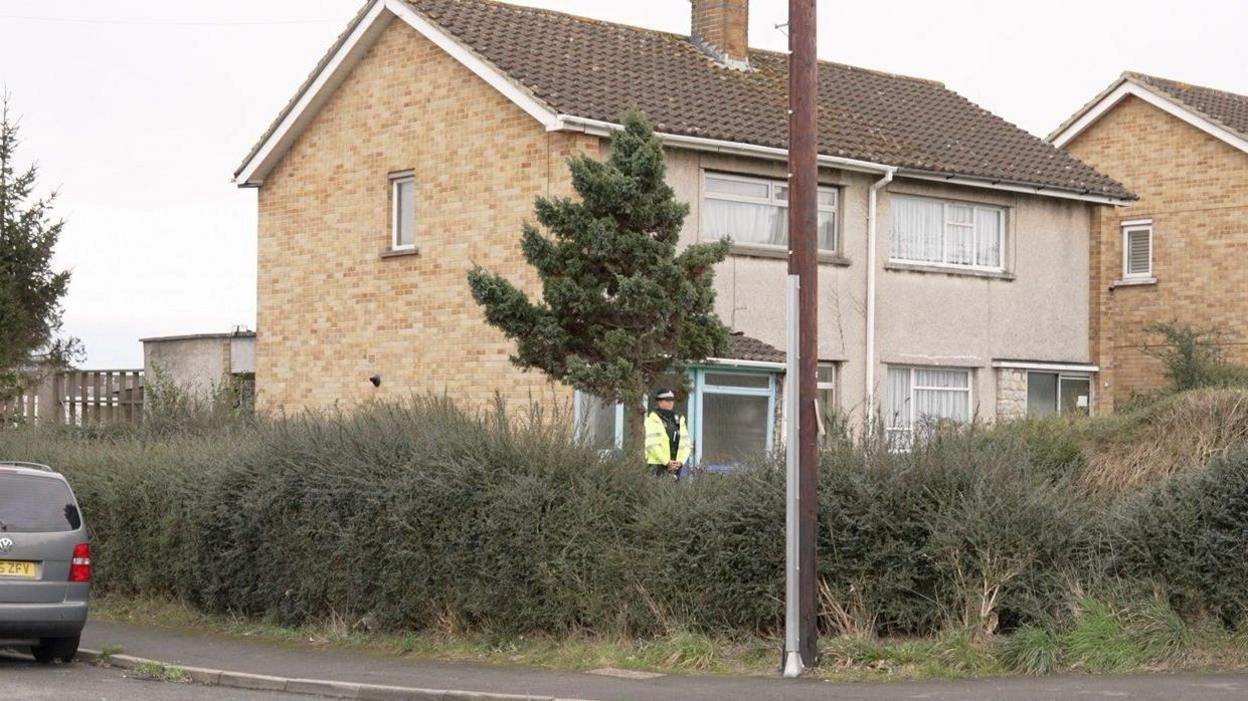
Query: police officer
667, 436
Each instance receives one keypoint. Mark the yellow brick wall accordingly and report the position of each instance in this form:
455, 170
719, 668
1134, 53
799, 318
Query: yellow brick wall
1195, 189
331, 310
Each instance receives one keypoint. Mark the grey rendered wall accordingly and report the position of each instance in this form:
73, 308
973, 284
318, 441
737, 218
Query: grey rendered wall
196, 365
923, 318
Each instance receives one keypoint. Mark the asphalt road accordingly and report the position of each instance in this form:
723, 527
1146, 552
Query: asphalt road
22, 678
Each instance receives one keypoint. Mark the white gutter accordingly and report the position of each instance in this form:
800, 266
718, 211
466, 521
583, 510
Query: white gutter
568, 122
1040, 190
872, 225
762, 364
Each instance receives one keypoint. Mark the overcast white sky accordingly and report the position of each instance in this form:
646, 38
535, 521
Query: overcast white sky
138, 112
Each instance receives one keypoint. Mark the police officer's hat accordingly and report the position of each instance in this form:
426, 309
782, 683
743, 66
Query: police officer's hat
664, 394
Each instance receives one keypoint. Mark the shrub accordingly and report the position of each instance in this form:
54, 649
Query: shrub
1191, 535
1193, 357
423, 516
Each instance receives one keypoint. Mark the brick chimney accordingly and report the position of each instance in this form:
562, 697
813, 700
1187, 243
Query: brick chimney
722, 28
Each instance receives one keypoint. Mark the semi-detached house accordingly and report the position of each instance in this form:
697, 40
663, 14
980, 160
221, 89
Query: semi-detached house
954, 246
1174, 255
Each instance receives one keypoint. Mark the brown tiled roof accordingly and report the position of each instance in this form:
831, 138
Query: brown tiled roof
597, 70
1226, 109
742, 347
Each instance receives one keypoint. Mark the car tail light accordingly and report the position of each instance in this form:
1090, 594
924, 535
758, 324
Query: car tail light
80, 566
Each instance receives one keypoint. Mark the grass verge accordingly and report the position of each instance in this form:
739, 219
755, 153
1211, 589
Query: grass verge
1103, 638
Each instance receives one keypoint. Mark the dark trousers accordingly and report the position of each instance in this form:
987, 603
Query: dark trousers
661, 471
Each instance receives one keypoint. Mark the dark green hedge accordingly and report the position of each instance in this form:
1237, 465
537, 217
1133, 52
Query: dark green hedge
419, 515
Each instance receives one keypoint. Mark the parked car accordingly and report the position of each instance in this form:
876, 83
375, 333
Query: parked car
45, 563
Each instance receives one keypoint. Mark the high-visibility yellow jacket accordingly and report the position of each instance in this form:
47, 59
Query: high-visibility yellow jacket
659, 447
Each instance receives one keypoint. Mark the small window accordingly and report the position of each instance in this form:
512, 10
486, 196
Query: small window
403, 215
947, 233
755, 211
921, 398
1137, 251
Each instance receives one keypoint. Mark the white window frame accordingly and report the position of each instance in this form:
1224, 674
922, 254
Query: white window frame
1063, 376
397, 179
773, 200
1128, 228
908, 431
1001, 212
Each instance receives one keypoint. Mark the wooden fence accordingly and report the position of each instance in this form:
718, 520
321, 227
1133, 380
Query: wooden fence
79, 398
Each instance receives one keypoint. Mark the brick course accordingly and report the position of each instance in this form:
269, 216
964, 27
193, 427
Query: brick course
332, 311
1195, 189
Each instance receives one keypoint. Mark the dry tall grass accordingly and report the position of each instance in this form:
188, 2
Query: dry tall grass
1182, 435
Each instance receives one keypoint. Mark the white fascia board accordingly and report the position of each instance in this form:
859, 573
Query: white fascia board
762, 364
1162, 103
366, 31
521, 96
1050, 367
365, 34
1041, 190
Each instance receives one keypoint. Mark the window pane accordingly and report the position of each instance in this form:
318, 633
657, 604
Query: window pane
934, 377
596, 423
1138, 254
826, 373
827, 231
1076, 395
405, 212
960, 244
961, 214
782, 193
898, 398
733, 428
740, 188
988, 236
934, 405
918, 227
827, 197
723, 379
36, 505
745, 222
1041, 393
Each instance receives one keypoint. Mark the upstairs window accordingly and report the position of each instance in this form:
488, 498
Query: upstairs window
1137, 250
755, 211
947, 233
403, 211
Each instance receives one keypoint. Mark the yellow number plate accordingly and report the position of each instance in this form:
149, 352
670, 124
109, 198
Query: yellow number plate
17, 568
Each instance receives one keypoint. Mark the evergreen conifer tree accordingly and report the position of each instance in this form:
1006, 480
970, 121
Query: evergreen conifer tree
30, 291
620, 306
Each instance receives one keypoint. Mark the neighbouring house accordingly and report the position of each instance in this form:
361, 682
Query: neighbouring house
1174, 255
203, 364
953, 279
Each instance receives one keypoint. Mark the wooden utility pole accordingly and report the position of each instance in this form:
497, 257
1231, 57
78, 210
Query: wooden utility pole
803, 263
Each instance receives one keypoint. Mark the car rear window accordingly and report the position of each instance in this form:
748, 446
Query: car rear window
31, 504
